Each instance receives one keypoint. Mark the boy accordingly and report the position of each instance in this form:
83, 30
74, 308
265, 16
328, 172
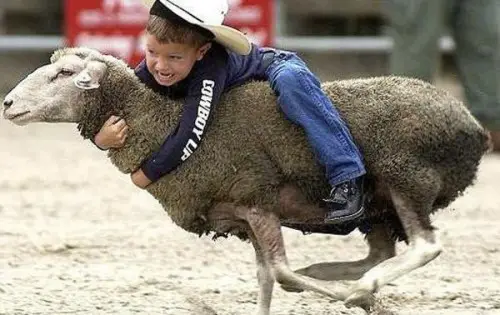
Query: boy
188, 49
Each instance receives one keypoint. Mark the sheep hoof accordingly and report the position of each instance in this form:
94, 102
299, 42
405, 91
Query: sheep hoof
361, 298
291, 288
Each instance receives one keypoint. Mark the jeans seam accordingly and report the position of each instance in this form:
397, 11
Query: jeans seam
307, 83
324, 112
344, 146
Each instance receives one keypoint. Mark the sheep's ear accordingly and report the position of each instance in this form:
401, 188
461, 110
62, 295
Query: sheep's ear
88, 78
84, 81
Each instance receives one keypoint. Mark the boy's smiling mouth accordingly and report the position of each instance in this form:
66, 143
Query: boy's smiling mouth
164, 78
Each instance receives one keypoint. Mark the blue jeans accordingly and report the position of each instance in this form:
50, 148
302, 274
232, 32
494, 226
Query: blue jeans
303, 102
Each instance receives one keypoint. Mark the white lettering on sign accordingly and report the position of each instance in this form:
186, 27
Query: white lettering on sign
114, 13
251, 14
122, 46
112, 5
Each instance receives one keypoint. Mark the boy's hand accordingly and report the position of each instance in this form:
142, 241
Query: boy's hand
139, 179
112, 134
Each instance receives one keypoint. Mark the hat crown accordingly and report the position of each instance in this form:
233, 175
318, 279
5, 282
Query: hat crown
207, 14
210, 12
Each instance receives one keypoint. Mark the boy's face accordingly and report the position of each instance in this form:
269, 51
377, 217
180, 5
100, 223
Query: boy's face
171, 63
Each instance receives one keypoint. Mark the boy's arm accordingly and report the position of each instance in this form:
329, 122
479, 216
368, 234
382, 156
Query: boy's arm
203, 95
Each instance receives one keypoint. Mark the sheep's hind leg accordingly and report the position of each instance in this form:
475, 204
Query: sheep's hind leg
381, 248
264, 277
294, 205
266, 228
423, 248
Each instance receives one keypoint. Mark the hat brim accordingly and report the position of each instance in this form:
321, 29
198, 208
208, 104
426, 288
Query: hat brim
229, 37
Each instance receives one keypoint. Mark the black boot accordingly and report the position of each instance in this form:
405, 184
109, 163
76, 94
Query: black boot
346, 202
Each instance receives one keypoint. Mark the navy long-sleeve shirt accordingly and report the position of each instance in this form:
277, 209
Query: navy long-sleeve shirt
218, 71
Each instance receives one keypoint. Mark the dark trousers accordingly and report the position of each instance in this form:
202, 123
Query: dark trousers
416, 26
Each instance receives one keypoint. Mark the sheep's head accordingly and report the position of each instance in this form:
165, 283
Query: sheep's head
52, 93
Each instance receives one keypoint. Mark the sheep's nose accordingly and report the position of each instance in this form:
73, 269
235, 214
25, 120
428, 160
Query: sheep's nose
8, 103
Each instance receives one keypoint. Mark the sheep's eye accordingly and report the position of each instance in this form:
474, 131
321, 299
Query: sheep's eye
62, 73
65, 72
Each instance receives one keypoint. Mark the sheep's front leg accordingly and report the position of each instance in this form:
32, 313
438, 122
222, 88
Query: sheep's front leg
381, 247
266, 228
265, 279
423, 248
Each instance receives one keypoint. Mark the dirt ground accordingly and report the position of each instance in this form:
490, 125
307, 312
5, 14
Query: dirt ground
126, 256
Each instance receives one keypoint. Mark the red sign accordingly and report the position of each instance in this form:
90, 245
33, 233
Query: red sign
255, 18
110, 26
116, 26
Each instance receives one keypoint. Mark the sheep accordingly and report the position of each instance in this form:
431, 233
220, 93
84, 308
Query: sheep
254, 172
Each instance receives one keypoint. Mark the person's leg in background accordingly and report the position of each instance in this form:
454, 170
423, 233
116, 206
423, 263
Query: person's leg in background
415, 27
476, 26
303, 102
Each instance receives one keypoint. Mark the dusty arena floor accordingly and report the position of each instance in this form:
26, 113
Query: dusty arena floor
126, 257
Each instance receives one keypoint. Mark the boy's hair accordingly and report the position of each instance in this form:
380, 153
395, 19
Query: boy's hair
167, 31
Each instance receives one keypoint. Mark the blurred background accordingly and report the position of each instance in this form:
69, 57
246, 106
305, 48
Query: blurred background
451, 43
339, 38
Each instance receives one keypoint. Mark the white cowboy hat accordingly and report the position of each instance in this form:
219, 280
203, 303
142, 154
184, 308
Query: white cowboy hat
209, 15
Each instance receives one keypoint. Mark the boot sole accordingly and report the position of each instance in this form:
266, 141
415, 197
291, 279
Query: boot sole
346, 218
